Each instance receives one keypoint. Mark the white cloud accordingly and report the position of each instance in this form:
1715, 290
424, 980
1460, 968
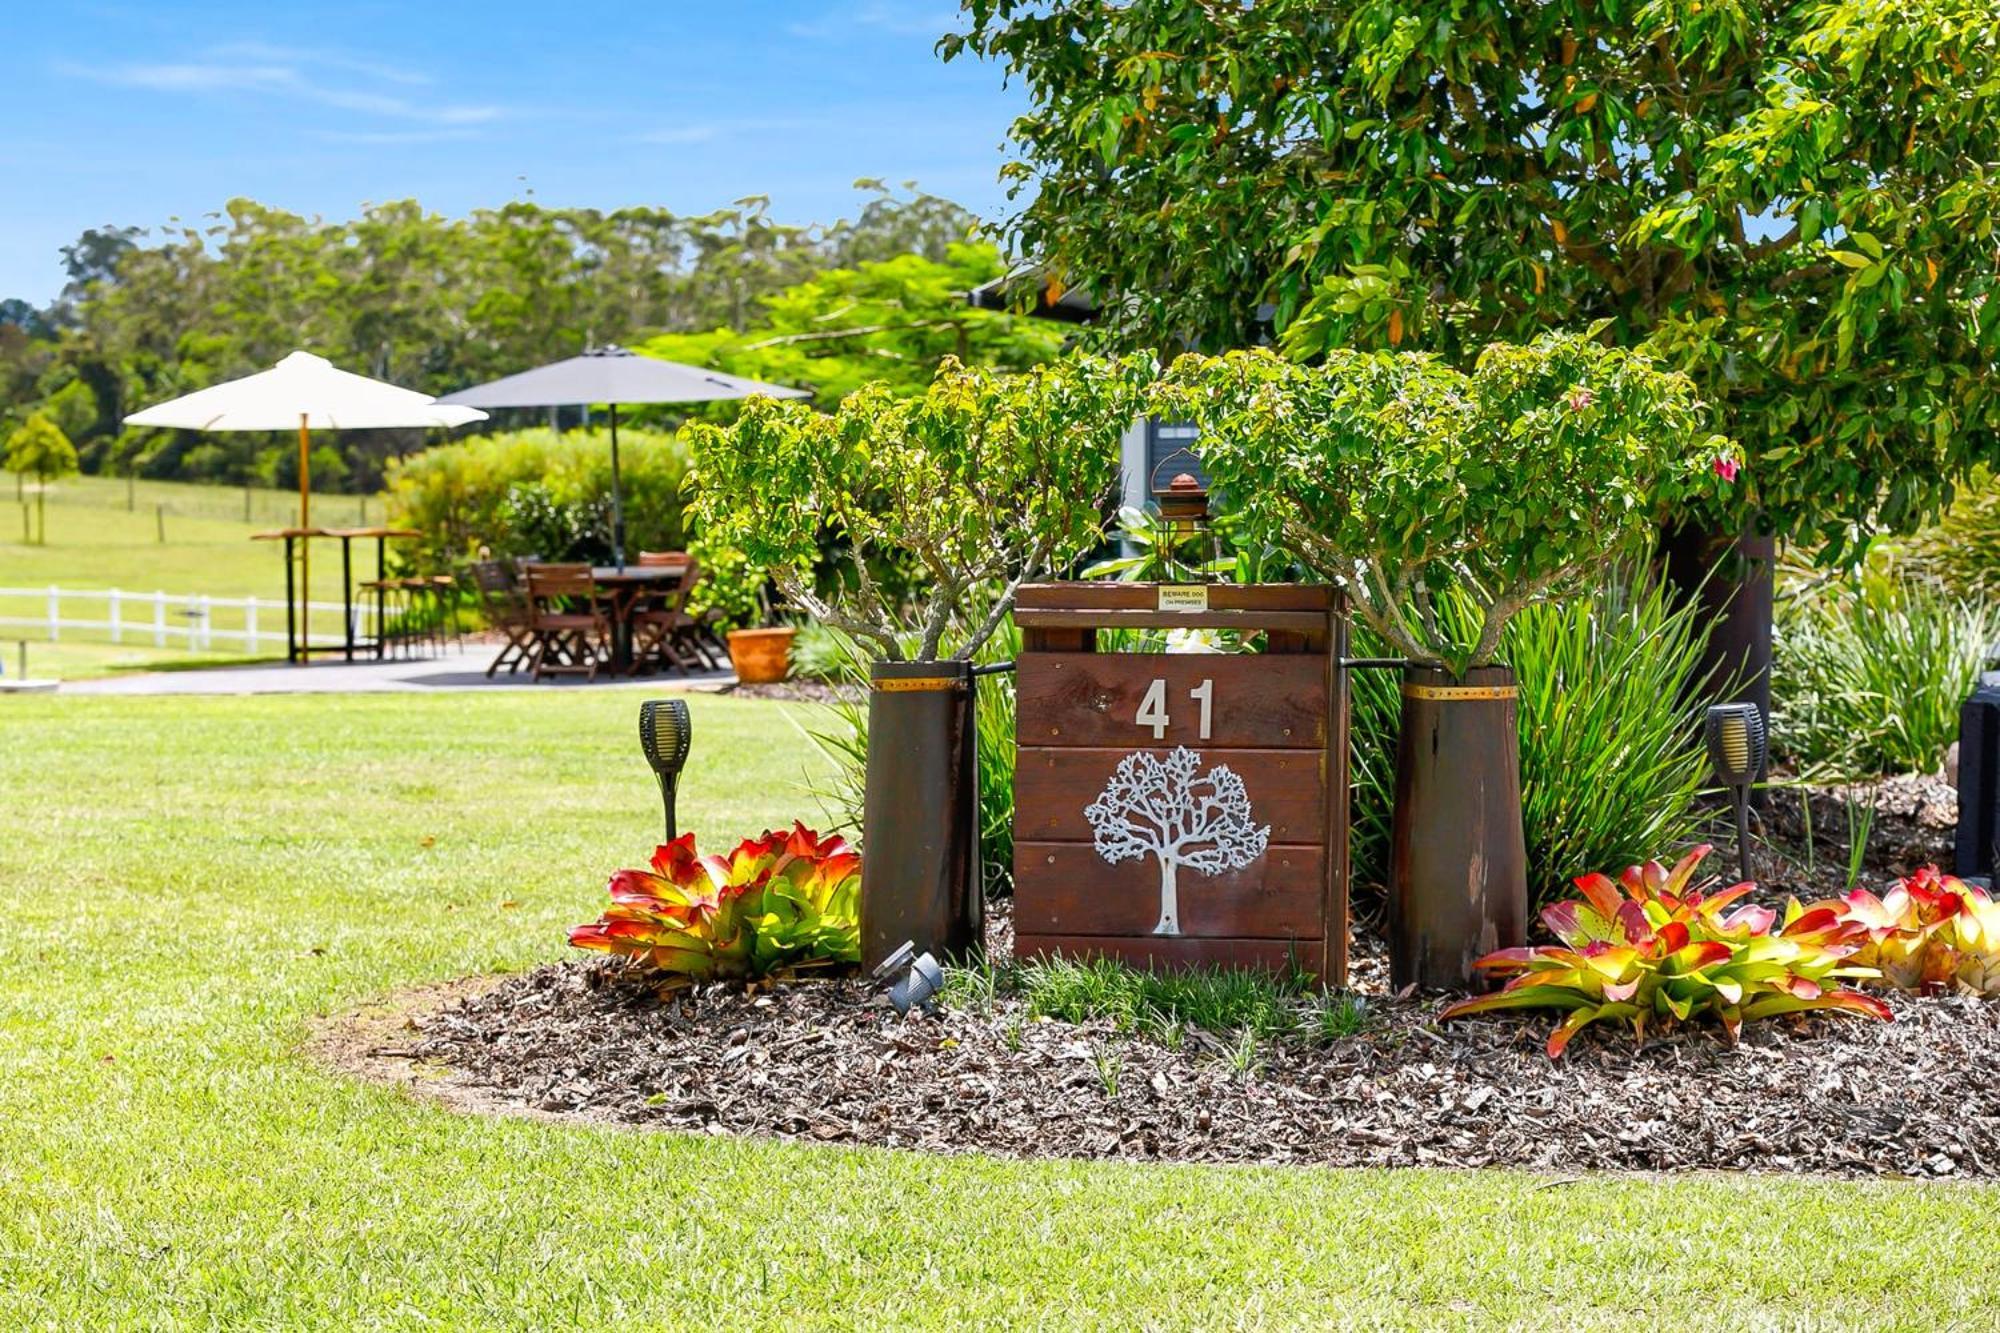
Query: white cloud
394, 136
904, 18
329, 79
679, 134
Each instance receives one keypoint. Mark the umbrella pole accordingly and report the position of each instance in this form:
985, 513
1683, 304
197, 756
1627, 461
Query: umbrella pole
617, 500
305, 543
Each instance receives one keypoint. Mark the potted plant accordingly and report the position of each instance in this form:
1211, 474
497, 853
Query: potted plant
730, 600
1411, 483
981, 483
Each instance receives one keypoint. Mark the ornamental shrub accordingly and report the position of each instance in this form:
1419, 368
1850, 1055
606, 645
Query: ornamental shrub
981, 483
1869, 675
518, 492
1408, 482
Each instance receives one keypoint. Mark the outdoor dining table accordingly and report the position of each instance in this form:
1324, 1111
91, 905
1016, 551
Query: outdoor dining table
298, 636
624, 588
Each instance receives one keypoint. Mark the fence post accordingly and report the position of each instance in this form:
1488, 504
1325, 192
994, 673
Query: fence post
117, 617
204, 609
250, 625
55, 613
160, 521
159, 620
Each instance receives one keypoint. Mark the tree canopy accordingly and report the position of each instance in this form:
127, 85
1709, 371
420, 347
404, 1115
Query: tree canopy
39, 449
1793, 202
429, 302
892, 320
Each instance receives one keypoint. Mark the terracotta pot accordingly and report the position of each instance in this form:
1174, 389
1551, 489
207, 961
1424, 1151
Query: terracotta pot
761, 656
1458, 879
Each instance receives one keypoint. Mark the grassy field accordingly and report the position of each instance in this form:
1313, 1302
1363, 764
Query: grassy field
96, 542
185, 883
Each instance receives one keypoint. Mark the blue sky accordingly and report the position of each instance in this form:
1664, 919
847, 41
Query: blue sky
137, 113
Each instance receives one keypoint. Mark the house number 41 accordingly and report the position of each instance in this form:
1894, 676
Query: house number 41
1153, 708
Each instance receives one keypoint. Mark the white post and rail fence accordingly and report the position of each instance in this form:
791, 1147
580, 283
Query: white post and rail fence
196, 622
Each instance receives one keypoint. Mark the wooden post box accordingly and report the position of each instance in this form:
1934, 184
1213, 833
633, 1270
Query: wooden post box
1182, 809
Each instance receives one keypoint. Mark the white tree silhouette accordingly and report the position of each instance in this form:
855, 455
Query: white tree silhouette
1161, 807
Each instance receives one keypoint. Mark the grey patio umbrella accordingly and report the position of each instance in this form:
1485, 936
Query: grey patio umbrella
613, 375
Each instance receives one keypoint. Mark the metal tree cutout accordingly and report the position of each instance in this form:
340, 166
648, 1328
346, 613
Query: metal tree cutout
1161, 807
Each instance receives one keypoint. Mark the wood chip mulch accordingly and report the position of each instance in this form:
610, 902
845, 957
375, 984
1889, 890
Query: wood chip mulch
797, 690
1913, 824
827, 1061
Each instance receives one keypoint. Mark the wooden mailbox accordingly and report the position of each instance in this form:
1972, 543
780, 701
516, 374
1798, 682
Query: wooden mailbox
1182, 809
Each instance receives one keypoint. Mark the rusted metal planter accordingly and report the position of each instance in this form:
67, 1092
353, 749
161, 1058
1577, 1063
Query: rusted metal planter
1458, 882
920, 830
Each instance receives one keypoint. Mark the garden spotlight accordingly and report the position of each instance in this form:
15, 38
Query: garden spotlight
665, 732
1736, 752
916, 977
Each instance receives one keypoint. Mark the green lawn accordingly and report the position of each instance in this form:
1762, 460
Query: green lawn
185, 883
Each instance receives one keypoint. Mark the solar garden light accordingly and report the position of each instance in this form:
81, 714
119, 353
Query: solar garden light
1736, 752
913, 978
665, 732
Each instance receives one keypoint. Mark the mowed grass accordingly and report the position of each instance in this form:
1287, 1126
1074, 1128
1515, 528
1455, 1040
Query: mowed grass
186, 883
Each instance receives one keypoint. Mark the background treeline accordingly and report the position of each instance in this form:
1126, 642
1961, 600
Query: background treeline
437, 303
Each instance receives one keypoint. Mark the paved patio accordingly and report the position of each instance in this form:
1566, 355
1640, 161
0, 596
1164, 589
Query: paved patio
455, 669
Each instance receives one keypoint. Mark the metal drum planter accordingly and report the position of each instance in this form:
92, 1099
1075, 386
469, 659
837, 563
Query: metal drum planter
1458, 882
920, 831
1177, 810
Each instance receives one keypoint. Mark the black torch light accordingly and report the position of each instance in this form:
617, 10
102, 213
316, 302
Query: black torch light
665, 732
1736, 752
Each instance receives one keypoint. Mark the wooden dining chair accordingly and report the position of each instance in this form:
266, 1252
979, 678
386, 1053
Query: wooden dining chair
663, 632
662, 559
506, 611
568, 621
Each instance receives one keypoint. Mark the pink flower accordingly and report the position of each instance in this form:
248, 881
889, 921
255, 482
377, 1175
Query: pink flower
1580, 398
1727, 467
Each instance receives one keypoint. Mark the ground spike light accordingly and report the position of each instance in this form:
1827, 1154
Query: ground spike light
1736, 752
665, 733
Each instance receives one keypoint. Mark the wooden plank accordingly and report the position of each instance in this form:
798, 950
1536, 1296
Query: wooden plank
1339, 859
1287, 790
1109, 596
1089, 699
1299, 622
1066, 888
1309, 955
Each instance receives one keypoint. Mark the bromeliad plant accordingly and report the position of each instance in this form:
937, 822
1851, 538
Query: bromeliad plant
1649, 949
782, 900
1403, 479
1929, 932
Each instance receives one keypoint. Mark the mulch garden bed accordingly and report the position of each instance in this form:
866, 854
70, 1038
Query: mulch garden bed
827, 1061
1914, 819
796, 691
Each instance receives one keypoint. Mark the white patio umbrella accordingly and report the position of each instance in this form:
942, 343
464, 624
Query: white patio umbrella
305, 392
